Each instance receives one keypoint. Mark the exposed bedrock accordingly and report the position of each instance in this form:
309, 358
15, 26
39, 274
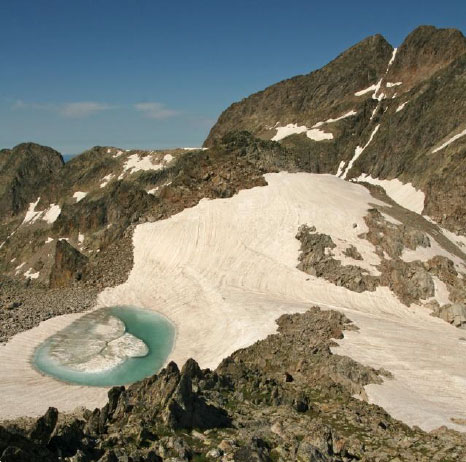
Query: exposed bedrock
411, 281
453, 314
68, 266
25, 171
286, 398
414, 96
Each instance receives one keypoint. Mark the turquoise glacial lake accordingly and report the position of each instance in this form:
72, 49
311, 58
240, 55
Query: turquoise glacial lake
117, 345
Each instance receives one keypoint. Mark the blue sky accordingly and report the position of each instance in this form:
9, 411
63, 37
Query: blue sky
157, 74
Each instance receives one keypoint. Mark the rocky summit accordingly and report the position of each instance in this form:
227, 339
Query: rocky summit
361, 241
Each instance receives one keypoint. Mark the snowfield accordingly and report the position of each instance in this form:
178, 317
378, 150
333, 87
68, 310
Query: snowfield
225, 270
404, 194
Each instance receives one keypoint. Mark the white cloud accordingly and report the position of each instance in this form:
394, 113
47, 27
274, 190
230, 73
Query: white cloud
83, 109
77, 109
20, 104
155, 110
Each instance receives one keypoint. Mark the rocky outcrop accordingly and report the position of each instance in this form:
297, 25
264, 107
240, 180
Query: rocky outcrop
316, 260
285, 398
453, 314
68, 267
410, 281
425, 51
25, 171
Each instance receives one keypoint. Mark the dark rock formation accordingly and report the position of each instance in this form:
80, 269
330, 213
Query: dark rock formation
25, 171
68, 266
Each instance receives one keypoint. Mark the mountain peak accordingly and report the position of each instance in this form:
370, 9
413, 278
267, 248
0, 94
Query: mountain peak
426, 50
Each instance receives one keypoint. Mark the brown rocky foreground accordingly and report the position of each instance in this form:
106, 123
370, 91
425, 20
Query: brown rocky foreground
285, 398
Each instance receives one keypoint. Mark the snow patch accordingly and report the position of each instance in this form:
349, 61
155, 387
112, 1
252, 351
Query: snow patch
80, 238
51, 214
79, 195
442, 294
31, 214
366, 90
341, 167
292, 129
135, 163
358, 151
451, 140
329, 121
31, 275
393, 84
404, 194
401, 106
107, 179
392, 59
426, 253
49, 240
168, 158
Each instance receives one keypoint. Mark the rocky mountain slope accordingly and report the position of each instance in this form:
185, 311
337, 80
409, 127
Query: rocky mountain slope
376, 111
391, 120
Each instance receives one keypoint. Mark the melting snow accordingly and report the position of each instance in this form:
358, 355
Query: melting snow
49, 240
451, 140
79, 195
80, 238
51, 214
358, 151
426, 253
31, 214
442, 295
312, 133
401, 106
404, 194
237, 271
376, 87
391, 59
329, 121
153, 191
393, 84
31, 275
341, 167
106, 179
135, 163
459, 241
366, 90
